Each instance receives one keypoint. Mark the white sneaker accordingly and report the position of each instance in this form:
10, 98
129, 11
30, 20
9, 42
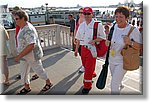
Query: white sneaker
81, 70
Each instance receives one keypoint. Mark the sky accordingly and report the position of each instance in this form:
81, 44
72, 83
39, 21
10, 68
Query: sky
61, 3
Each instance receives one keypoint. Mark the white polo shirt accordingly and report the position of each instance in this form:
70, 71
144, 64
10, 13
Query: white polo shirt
117, 42
85, 32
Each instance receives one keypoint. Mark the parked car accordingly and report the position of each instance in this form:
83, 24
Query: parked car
6, 19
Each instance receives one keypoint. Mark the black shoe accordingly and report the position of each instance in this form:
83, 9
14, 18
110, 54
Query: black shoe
85, 91
73, 49
18, 77
42, 40
80, 71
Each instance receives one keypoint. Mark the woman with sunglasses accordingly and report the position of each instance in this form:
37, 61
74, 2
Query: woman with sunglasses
79, 20
15, 9
29, 52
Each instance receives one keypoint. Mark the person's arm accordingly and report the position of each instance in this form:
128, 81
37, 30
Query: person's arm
135, 39
77, 47
72, 26
77, 37
100, 35
6, 34
75, 30
107, 42
71, 30
133, 44
25, 51
95, 40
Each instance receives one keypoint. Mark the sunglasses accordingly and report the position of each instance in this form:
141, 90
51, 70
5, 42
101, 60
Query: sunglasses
87, 13
16, 19
80, 12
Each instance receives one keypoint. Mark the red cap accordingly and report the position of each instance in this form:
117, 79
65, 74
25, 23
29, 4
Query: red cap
87, 10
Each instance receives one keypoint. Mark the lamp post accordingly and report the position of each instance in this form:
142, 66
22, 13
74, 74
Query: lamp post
46, 13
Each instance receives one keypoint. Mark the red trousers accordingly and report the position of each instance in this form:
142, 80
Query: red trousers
89, 64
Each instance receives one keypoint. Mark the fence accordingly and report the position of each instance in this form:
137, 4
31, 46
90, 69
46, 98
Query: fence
51, 36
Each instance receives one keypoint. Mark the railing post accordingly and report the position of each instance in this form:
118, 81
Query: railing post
58, 31
59, 37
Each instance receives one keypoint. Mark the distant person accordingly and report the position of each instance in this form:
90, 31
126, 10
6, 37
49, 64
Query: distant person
51, 20
29, 52
72, 29
138, 23
107, 29
79, 20
133, 22
3, 54
141, 27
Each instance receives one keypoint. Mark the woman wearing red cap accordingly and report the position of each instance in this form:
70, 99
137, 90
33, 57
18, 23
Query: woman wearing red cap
84, 38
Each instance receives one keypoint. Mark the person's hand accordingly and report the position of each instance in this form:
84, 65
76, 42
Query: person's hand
17, 58
76, 53
75, 41
107, 42
127, 40
71, 34
92, 42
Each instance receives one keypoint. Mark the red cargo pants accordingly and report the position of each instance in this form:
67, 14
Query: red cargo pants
89, 65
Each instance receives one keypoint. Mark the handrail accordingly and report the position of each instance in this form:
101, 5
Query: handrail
51, 36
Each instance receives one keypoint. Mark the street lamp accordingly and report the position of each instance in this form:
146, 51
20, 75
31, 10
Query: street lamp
46, 13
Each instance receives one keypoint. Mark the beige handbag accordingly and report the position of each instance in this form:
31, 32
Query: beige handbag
131, 59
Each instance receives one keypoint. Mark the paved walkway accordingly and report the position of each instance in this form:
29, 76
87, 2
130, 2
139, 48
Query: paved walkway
62, 68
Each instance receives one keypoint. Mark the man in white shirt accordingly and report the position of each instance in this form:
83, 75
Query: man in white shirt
84, 38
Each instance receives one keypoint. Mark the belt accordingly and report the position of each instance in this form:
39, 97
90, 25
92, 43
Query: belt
22, 59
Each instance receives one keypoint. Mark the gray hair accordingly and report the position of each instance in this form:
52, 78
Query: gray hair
22, 14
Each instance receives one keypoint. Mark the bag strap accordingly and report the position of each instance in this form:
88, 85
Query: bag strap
111, 32
95, 30
131, 29
109, 38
